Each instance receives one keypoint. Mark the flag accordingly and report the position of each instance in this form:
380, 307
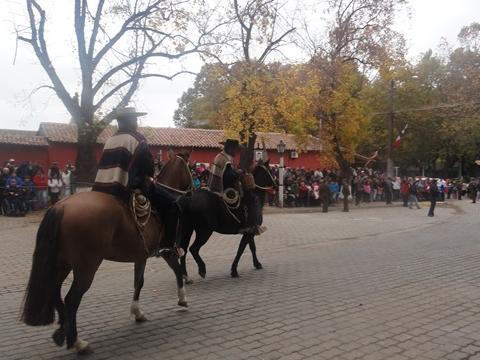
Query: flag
398, 141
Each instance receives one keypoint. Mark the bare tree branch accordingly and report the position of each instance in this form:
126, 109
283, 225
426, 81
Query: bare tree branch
96, 27
38, 43
270, 47
134, 78
124, 28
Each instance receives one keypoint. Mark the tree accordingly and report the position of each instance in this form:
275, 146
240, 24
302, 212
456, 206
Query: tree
360, 40
235, 93
114, 59
437, 97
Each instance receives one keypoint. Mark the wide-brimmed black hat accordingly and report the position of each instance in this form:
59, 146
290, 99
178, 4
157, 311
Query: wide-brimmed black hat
127, 112
230, 143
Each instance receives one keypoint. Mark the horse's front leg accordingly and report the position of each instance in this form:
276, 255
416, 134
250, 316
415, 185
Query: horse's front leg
253, 249
138, 283
172, 261
241, 248
186, 234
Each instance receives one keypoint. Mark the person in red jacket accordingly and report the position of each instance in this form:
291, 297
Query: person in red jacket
405, 191
40, 180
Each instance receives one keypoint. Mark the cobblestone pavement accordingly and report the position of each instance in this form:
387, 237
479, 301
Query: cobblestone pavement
377, 283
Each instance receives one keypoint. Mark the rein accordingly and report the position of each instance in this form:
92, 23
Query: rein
263, 188
175, 190
266, 188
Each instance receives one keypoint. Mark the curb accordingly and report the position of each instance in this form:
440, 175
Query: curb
339, 207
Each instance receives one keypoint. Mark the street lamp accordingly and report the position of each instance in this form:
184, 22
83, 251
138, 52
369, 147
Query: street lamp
281, 150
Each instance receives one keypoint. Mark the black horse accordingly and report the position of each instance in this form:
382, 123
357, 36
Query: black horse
207, 212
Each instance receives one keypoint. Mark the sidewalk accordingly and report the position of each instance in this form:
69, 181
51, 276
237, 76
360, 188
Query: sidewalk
352, 207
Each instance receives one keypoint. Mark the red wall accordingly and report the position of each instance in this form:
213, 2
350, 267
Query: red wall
67, 153
24, 153
308, 160
62, 153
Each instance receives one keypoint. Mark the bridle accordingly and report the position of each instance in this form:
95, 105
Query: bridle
271, 177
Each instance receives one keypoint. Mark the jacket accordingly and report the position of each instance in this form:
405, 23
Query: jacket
125, 164
220, 164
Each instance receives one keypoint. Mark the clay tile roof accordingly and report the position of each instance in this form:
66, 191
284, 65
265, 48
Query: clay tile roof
175, 137
22, 137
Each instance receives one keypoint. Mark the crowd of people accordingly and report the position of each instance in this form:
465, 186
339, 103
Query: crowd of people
309, 188
28, 187
306, 187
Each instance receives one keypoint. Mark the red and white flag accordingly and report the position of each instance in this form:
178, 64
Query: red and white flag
398, 141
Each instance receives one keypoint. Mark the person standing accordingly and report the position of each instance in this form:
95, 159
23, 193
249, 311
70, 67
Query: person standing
433, 192
405, 191
412, 197
325, 195
388, 188
345, 193
55, 186
396, 189
67, 182
472, 191
40, 181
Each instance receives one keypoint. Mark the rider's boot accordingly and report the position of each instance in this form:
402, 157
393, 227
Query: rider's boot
171, 230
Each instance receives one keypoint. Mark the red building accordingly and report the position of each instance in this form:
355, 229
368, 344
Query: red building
57, 142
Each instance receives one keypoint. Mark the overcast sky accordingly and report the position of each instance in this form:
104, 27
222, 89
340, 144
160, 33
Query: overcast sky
429, 21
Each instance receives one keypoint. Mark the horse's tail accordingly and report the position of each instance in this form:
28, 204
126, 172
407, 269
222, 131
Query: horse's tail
39, 300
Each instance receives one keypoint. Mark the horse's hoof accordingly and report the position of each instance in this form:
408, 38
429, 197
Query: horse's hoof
202, 274
59, 337
258, 266
183, 304
82, 347
85, 351
234, 274
141, 318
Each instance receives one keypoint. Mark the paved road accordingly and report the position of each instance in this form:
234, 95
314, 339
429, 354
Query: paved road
383, 283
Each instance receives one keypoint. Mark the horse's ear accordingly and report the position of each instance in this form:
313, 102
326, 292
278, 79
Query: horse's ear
267, 163
171, 154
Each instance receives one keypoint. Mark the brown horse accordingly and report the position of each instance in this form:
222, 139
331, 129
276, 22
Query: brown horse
77, 234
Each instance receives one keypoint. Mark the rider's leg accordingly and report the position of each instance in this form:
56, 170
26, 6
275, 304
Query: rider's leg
167, 205
253, 219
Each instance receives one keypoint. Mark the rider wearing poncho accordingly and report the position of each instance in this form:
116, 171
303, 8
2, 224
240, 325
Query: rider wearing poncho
223, 169
223, 172
127, 164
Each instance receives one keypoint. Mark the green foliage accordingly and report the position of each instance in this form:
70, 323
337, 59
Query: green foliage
437, 97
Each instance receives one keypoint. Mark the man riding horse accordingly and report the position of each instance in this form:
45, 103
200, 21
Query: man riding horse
127, 165
224, 172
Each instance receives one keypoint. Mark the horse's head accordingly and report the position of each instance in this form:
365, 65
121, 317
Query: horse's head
263, 177
185, 154
176, 173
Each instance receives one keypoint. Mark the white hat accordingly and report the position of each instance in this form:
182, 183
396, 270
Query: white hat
128, 112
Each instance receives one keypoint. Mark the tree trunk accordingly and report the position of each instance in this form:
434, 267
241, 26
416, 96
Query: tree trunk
86, 163
246, 155
345, 168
